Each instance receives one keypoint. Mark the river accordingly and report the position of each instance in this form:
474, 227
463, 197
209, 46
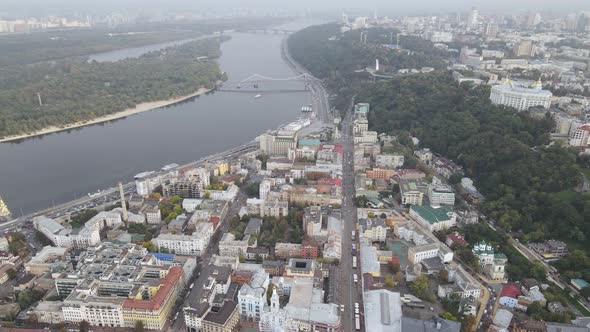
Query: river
38, 172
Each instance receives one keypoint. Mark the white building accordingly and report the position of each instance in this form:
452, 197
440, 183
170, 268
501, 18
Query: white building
264, 188
190, 205
434, 218
580, 136
389, 160
229, 246
373, 229
274, 319
252, 297
223, 195
383, 311
440, 194
520, 98
259, 207
85, 237
186, 244
278, 142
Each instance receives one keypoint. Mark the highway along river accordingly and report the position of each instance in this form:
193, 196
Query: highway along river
38, 172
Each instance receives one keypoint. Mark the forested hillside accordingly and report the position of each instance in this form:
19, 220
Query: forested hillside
505, 151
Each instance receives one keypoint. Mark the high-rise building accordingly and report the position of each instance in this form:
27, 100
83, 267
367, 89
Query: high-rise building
473, 19
580, 136
278, 142
492, 30
525, 48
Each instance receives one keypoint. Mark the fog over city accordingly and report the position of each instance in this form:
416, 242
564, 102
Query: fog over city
387, 6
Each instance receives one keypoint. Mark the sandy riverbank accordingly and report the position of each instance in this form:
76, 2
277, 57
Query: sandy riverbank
143, 107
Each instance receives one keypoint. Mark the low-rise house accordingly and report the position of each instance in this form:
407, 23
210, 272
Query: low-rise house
551, 249
229, 246
509, 296
191, 204
253, 253
287, 250
455, 239
253, 227
463, 284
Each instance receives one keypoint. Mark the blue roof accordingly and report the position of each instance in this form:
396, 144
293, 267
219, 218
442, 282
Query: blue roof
581, 283
163, 257
309, 142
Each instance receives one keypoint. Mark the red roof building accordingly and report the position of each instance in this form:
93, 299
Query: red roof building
154, 312
455, 239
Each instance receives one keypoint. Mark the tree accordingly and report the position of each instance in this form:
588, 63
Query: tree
84, 326
389, 281
420, 285
253, 189
469, 323
398, 277
150, 246
393, 267
139, 326
455, 178
585, 292
448, 316
27, 297
11, 273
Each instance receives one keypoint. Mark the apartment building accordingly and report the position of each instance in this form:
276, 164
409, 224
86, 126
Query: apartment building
186, 244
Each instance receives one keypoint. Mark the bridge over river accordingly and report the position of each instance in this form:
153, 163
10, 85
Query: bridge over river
258, 83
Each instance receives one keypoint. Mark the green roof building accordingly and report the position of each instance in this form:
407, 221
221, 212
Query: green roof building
434, 218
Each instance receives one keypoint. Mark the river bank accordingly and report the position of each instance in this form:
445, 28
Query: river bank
139, 108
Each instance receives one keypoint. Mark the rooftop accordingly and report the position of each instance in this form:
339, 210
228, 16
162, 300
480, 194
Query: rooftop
433, 214
383, 311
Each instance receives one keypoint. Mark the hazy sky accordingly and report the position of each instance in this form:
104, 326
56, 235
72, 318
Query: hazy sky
386, 6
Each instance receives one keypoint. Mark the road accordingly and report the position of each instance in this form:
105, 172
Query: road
205, 259
351, 292
320, 103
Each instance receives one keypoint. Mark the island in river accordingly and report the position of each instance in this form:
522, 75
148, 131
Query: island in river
50, 97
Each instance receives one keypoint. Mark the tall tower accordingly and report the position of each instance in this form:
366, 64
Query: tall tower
274, 301
473, 18
376, 64
123, 204
375, 17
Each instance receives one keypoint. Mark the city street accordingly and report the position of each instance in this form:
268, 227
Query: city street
351, 292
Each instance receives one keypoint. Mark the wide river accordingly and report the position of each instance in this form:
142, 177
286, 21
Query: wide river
38, 172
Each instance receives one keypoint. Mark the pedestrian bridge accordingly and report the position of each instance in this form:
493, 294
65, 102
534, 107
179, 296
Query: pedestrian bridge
260, 83
268, 31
